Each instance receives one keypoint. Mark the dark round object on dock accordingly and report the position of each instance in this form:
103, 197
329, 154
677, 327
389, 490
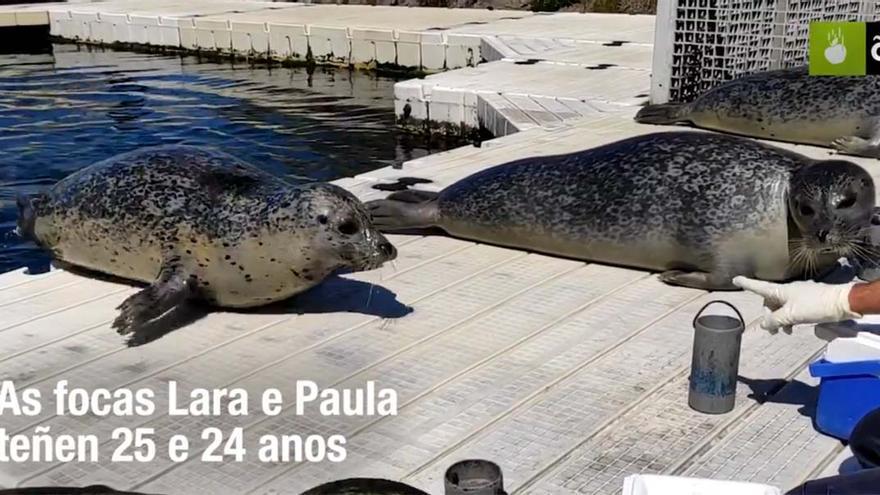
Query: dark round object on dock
363, 486
474, 477
68, 490
865, 441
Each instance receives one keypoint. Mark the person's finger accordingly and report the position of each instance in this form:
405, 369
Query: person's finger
760, 287
765, 325
775, 320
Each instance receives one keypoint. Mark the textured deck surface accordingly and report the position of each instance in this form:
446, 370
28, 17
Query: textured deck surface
569, 375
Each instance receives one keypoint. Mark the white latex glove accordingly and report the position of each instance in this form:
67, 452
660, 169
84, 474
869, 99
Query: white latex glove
800, 302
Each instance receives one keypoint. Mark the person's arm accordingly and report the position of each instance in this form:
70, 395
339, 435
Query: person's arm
865, 298
812, 302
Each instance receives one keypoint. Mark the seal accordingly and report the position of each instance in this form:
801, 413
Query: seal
786, 105
700, 207
199, 224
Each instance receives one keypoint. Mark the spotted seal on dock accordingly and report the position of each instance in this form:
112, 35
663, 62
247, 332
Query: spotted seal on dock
701, 207
786, 105
197, 223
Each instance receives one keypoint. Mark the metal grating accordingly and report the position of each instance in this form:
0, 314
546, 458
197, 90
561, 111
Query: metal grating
700, 43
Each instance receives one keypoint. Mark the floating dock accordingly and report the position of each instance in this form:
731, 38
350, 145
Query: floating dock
569, 375
522, 69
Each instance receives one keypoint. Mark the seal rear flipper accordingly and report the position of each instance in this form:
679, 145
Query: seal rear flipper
410, 209
699, 280
663, 113
172, 288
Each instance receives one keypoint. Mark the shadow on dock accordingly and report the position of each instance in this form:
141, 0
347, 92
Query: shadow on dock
778, 391
336, 294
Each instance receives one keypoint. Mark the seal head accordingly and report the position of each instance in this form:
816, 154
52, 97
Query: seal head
831, 202
346, 237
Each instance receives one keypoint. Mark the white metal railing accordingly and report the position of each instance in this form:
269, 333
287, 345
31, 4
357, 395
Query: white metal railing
700, 43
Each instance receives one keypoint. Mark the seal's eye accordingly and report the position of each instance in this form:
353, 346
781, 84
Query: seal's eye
806, 210
846, 202
322, 219
348, 227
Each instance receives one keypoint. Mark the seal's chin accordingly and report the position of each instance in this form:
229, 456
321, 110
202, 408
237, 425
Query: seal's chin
809, 254
845, 246
368, 255
371, 262
366, 264
832, 248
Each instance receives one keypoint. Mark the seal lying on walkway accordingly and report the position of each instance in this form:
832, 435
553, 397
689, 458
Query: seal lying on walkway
702, 207
786, 105
200, 224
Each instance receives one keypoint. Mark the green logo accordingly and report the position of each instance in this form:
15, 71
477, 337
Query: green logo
837, 48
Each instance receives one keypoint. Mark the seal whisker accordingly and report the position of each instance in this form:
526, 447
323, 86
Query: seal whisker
386, 323
864, 251
814, 261
868, 248
370, 294
803, 258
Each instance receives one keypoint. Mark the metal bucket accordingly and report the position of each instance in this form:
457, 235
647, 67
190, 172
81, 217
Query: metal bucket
715, 362
474, 477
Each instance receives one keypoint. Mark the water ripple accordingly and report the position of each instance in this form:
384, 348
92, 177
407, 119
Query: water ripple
67, 109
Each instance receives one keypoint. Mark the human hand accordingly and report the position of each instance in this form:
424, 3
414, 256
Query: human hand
800, 302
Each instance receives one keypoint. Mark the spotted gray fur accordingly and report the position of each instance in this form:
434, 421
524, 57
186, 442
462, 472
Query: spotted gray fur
688, 203
787, 105
198, 223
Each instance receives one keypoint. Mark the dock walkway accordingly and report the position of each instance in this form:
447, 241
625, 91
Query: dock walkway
569, 375
535, 71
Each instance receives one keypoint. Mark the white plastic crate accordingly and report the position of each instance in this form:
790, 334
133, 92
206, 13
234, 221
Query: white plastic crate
700, 43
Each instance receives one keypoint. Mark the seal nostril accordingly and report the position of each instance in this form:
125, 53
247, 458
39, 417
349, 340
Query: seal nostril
387, 248
822, 235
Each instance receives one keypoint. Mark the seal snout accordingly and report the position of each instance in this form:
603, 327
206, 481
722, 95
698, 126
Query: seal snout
388, 251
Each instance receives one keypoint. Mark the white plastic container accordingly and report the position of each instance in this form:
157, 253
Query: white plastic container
863, 347
852, 340
650, 484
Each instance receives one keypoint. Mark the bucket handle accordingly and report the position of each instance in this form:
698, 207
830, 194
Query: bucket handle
719, 301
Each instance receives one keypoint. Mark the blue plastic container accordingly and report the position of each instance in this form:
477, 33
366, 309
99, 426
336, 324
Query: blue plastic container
847, 392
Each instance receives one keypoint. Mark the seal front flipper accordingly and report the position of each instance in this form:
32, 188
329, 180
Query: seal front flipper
698, 280
410, 209
27, 215
663, 113
854, 145
172, 288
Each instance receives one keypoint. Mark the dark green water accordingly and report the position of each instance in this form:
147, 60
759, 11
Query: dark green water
63, 110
